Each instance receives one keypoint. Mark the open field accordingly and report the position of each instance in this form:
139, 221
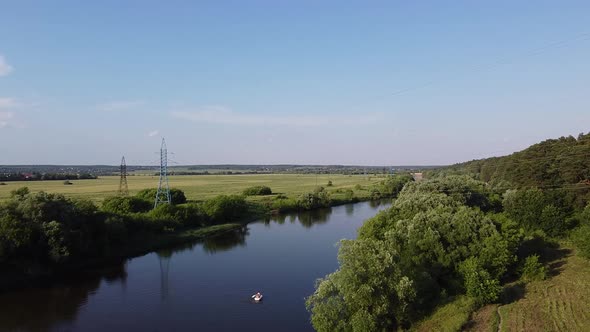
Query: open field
196, 187
559, 303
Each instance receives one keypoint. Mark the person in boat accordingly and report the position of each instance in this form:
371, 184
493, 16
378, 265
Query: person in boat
257, 295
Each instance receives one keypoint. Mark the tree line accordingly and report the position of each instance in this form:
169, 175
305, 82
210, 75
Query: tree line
35, 176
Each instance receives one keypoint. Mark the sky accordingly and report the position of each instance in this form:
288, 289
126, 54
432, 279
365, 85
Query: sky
289, 82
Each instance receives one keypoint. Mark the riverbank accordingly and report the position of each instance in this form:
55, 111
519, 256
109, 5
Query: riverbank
47, 235
13, 276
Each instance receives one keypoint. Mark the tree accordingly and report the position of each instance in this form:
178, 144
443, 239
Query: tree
176, 195
478, 282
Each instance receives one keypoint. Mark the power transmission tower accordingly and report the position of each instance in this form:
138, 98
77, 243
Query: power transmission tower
163, 194
123, 189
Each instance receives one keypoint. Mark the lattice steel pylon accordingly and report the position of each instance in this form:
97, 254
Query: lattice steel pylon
163, 194
123, 188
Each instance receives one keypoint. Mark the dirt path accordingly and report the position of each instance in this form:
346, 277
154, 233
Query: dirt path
499, 319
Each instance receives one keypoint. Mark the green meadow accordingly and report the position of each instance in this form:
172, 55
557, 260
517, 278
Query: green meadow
200, 187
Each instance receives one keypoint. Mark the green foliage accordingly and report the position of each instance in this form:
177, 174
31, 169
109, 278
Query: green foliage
349, 195
364, 292
532, 269
329, 183
54, 233
313, 200
257, 191
392, 185
225, 208
421, 240
581, 235
551, 162
479, 284
125, 205
176, 195
533, 210
49, 227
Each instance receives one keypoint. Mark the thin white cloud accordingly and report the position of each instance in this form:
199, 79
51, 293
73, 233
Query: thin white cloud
224, 115
120, 106
153, 133
5, 117
5, 68
6, 103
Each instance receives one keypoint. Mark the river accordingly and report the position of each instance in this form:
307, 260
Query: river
203, 286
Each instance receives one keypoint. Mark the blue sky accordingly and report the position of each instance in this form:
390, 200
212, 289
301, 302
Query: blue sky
305, 82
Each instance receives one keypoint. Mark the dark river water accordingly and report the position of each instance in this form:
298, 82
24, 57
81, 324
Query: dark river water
203, 286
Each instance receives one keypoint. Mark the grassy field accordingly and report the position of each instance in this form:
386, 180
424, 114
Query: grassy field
559, 303
449, 317
197, 187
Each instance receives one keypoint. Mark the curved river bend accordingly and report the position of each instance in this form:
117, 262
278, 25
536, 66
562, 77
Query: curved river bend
200, 287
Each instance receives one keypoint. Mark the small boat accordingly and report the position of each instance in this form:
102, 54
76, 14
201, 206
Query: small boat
257, 297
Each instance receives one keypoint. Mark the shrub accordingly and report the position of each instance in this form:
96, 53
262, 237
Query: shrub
349, 195
225, 208
532, 269
257, 191
124, 205
176, 195
313, 200
330, 183
478, 283
581, 235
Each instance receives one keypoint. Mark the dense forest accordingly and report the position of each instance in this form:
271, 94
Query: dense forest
555, 163
465, 231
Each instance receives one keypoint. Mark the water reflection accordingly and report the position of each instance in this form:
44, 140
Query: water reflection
226, 241
349, 208
190, 278
308, 219
41, 309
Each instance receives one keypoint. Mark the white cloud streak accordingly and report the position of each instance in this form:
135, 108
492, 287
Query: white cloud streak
6, 103
5, 68
120, 106
5, 117
153, 133
225, 116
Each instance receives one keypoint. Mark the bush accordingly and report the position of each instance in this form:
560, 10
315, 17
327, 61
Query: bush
581, 235
313, 200
478, 283
330, 183
176, 195
532, 269
125, 205
257, 191
225, 208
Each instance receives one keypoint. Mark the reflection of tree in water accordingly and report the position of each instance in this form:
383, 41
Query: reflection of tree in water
379, 202
349, 208
42, 308
310, 218
279, 218
226, 241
